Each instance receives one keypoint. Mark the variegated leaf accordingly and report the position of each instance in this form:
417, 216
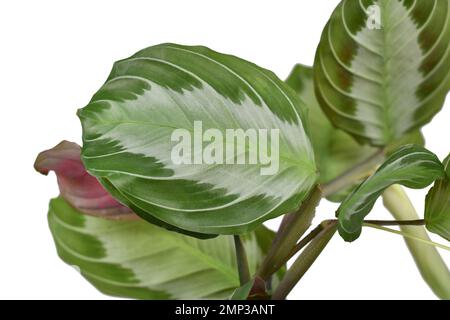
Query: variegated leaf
127, 130
382, 66
411, 166
135, 259
335, 150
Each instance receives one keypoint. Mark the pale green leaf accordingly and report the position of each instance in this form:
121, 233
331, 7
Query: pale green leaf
138, 260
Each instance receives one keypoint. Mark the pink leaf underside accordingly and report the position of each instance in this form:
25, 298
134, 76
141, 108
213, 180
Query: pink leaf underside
77, 186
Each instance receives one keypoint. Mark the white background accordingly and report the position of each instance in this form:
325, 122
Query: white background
54, 55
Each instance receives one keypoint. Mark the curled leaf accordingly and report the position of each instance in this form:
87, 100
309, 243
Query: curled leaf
411, 166
76, 185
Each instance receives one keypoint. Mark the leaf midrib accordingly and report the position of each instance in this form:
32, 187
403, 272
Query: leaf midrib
297, 163
387, 128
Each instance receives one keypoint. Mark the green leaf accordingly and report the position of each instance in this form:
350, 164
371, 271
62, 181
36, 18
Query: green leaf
379, 84
127, 130
437, 205
411, 166
334, 149
138, 260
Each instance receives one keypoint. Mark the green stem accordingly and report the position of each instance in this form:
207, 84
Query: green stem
242, 262
428, 260
419, 222
406, 235
291, 230
294, 225
305, 260
304, 242
359, 171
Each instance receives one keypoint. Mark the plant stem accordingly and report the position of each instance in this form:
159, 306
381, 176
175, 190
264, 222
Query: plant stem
370, 223
294, 226
304, 242
305, 260
406, 235
356, 173
428, 260
396, 222
242, 262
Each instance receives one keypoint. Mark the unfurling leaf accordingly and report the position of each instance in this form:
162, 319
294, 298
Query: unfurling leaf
437, 205
84, 192
411, 166
76, 185
383, 73
136, 259
128, 143
427, 258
